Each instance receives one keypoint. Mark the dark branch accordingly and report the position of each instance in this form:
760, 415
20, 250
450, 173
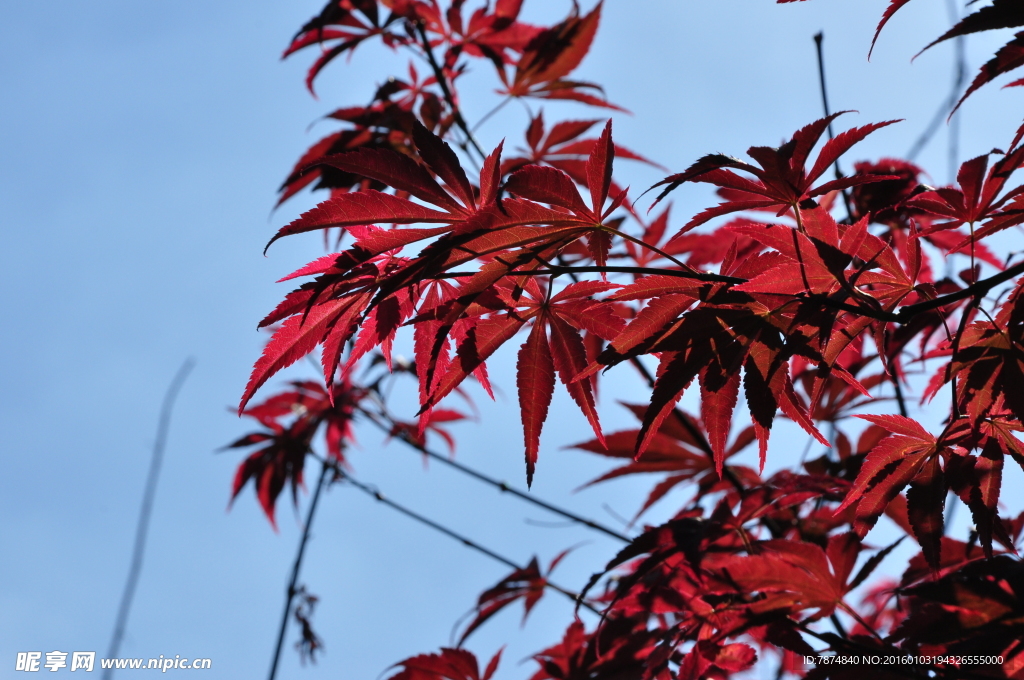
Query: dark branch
819, 38
679, 273
900, 401
974, 290
904, 315
854, 309
442, 80
559, 270
148, 496
501, 486
290, 594
469, 543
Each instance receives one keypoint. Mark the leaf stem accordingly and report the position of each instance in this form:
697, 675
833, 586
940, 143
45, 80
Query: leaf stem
837, 624
643, 244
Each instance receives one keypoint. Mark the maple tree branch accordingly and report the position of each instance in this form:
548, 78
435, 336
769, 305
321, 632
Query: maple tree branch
469, 543
290, 594
558, 270
847, 307
612, 269
148, 496
959, 80
500, 485
442, 81
838, 625
900, 401
979, 288
903, 316
949, 103
819, 38
894, 378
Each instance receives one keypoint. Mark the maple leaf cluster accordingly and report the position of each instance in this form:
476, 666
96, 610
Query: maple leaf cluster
818, 299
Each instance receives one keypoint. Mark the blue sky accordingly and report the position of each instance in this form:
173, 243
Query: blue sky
140, 148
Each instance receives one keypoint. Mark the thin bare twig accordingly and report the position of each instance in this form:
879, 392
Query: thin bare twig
948, 104
469, 543
819, 38
442, 81
148, 496
500, 485
290, 593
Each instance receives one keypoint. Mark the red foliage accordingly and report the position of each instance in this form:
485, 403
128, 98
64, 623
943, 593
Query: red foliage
807, 316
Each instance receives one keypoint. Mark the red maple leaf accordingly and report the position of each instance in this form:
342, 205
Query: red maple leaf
527, 584
796, 576
674, 450
910, 455
978, 198
450, 664
782, 181
553, 54
338, 21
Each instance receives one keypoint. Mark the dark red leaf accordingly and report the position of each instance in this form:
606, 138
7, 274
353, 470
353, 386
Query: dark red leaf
535, 378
